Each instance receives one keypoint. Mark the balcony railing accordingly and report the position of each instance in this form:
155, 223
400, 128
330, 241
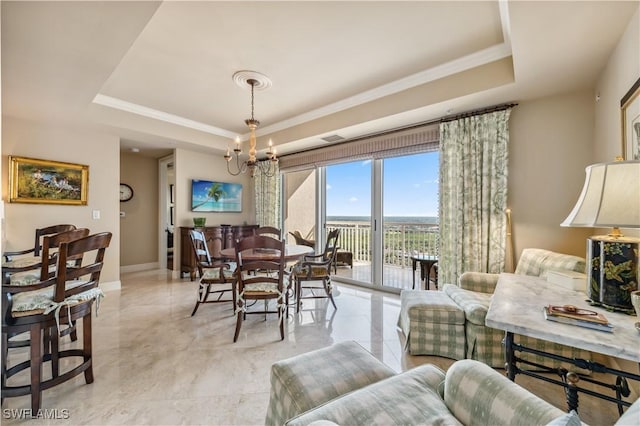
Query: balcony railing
400, 240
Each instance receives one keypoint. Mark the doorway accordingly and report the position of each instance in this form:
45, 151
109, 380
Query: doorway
166, 209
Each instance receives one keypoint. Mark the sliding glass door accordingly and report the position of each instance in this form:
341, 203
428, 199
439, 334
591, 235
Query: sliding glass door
410, 216
348, 195
386, 210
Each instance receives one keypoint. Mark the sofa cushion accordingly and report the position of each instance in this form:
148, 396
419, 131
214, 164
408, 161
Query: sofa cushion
428, 307
538, 262
432, 323
476, 394
311, 379
409, 398
473, 303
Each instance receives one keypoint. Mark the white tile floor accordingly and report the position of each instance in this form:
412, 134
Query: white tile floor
154, 364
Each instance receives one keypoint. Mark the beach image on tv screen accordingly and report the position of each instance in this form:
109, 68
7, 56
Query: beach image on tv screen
208, 196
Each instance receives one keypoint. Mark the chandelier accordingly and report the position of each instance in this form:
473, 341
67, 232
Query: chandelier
267, 168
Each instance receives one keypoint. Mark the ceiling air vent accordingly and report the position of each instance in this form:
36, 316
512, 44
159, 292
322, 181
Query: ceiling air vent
333, 138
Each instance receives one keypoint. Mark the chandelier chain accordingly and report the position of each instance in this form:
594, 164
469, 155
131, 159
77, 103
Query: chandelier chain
269, 167
252, 83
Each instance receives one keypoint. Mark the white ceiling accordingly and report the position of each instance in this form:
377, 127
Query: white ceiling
159, 74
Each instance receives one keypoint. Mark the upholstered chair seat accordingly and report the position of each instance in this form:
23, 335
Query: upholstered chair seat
41, 301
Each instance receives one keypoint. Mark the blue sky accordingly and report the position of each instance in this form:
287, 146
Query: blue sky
410, 187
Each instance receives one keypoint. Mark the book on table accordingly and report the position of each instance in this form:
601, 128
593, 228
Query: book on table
569, 314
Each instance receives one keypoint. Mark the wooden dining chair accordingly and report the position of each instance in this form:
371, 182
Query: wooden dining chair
51, 246
316, 268
265, 286
48, 252
24, 265
55, 304
216, 277
270, 231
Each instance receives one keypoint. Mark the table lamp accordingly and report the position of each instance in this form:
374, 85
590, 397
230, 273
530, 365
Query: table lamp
610, 198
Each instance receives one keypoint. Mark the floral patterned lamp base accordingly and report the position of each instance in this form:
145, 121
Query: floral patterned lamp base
614, 271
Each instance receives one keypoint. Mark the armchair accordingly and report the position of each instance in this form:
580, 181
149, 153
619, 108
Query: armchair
301, 241
473, 295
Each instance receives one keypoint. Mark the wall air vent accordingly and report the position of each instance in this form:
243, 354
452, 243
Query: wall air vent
333, 138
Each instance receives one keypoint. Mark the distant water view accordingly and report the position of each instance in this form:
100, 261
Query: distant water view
217, 206
425, 220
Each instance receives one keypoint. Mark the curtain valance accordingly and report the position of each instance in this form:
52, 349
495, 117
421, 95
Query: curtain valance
418, 139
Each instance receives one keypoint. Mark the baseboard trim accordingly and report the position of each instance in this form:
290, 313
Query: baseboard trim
139, 267
111, 285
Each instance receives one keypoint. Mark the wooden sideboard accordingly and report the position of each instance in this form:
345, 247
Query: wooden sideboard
218, 238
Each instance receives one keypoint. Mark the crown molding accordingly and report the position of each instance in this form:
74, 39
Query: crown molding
144, 111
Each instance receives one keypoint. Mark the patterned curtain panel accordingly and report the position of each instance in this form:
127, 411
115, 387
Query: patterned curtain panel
267, 197
473, 194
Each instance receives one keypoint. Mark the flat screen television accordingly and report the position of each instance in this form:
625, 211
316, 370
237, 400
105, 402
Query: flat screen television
208, 196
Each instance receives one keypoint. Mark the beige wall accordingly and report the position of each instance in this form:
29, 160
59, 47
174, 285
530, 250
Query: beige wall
550, 145
553, 139
139, 226
301, 204
622, 70
195, 165
100, 152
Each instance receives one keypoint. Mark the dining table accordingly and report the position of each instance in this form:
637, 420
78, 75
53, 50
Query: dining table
291, 252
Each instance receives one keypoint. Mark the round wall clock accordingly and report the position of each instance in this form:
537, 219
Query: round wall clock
126, 192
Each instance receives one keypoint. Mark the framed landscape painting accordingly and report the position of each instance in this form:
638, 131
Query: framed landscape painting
630, 106
208, 196
47, 182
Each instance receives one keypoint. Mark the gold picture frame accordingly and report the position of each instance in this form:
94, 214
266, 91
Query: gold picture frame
47, 182
630, 109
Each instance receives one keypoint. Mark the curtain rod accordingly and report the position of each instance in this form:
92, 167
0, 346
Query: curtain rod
477, 112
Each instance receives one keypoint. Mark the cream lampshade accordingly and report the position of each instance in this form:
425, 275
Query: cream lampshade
611, 198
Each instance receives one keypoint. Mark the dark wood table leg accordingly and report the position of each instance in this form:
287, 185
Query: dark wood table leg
423, 275
413, 267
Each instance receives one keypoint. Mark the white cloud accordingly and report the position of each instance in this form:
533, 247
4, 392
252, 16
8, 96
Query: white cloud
353, 199
328, 187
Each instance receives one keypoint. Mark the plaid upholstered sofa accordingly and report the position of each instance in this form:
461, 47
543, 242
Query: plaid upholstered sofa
473, 295
346, 385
